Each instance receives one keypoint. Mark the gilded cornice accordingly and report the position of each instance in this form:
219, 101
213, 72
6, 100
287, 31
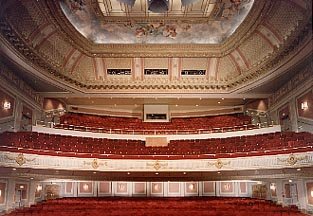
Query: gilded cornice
290, 47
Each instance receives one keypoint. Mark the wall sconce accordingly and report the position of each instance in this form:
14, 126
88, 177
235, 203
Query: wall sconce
6, 105
304, 105
21, 186
1, 193
85, 187
191, 187
39, 188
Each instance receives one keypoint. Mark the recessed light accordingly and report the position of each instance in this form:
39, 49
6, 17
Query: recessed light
197, 105
94, 172
218, 172
185, 173
176, 105
223, 98
14, 169
128, 173
299, 169
219, 102
157, 173
290, 181
31, 178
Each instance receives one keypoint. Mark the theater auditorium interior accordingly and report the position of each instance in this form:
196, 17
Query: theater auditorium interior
156, 107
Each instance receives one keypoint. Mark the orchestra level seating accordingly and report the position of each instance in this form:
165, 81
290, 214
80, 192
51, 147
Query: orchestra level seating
157, 207
264, 144
109, 123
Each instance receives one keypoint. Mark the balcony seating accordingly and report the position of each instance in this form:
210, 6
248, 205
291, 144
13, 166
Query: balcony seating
265, 144
200, 206
134, 125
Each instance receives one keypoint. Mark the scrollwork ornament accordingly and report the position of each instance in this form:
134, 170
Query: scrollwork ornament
293, 159
219, 164
157, 165
95, 164
20, 159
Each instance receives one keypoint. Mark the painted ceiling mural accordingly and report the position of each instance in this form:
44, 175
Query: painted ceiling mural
220, 23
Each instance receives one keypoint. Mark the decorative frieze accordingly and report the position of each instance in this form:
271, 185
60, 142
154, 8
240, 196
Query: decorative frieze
12, 159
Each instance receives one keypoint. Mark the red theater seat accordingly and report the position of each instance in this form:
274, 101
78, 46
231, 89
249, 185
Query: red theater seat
265, 144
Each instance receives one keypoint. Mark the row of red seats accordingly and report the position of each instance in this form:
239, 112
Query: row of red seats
200, 206
33, 142
135, 124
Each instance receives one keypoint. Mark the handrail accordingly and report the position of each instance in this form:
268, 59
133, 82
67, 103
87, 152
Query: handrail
149, 132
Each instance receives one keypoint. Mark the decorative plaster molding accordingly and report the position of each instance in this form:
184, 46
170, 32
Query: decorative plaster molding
8, 159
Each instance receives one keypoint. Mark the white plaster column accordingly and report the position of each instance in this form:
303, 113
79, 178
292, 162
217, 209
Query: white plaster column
279, 191
31, 193
137, 67
11, 193
18, 114
301, 194
293, 114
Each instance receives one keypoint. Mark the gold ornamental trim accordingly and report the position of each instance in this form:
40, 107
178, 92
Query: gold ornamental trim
293, 159
20, 159
157, 165
95, 164
219, 164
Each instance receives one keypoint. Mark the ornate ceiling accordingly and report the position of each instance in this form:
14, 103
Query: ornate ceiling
74, 47
203, 22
